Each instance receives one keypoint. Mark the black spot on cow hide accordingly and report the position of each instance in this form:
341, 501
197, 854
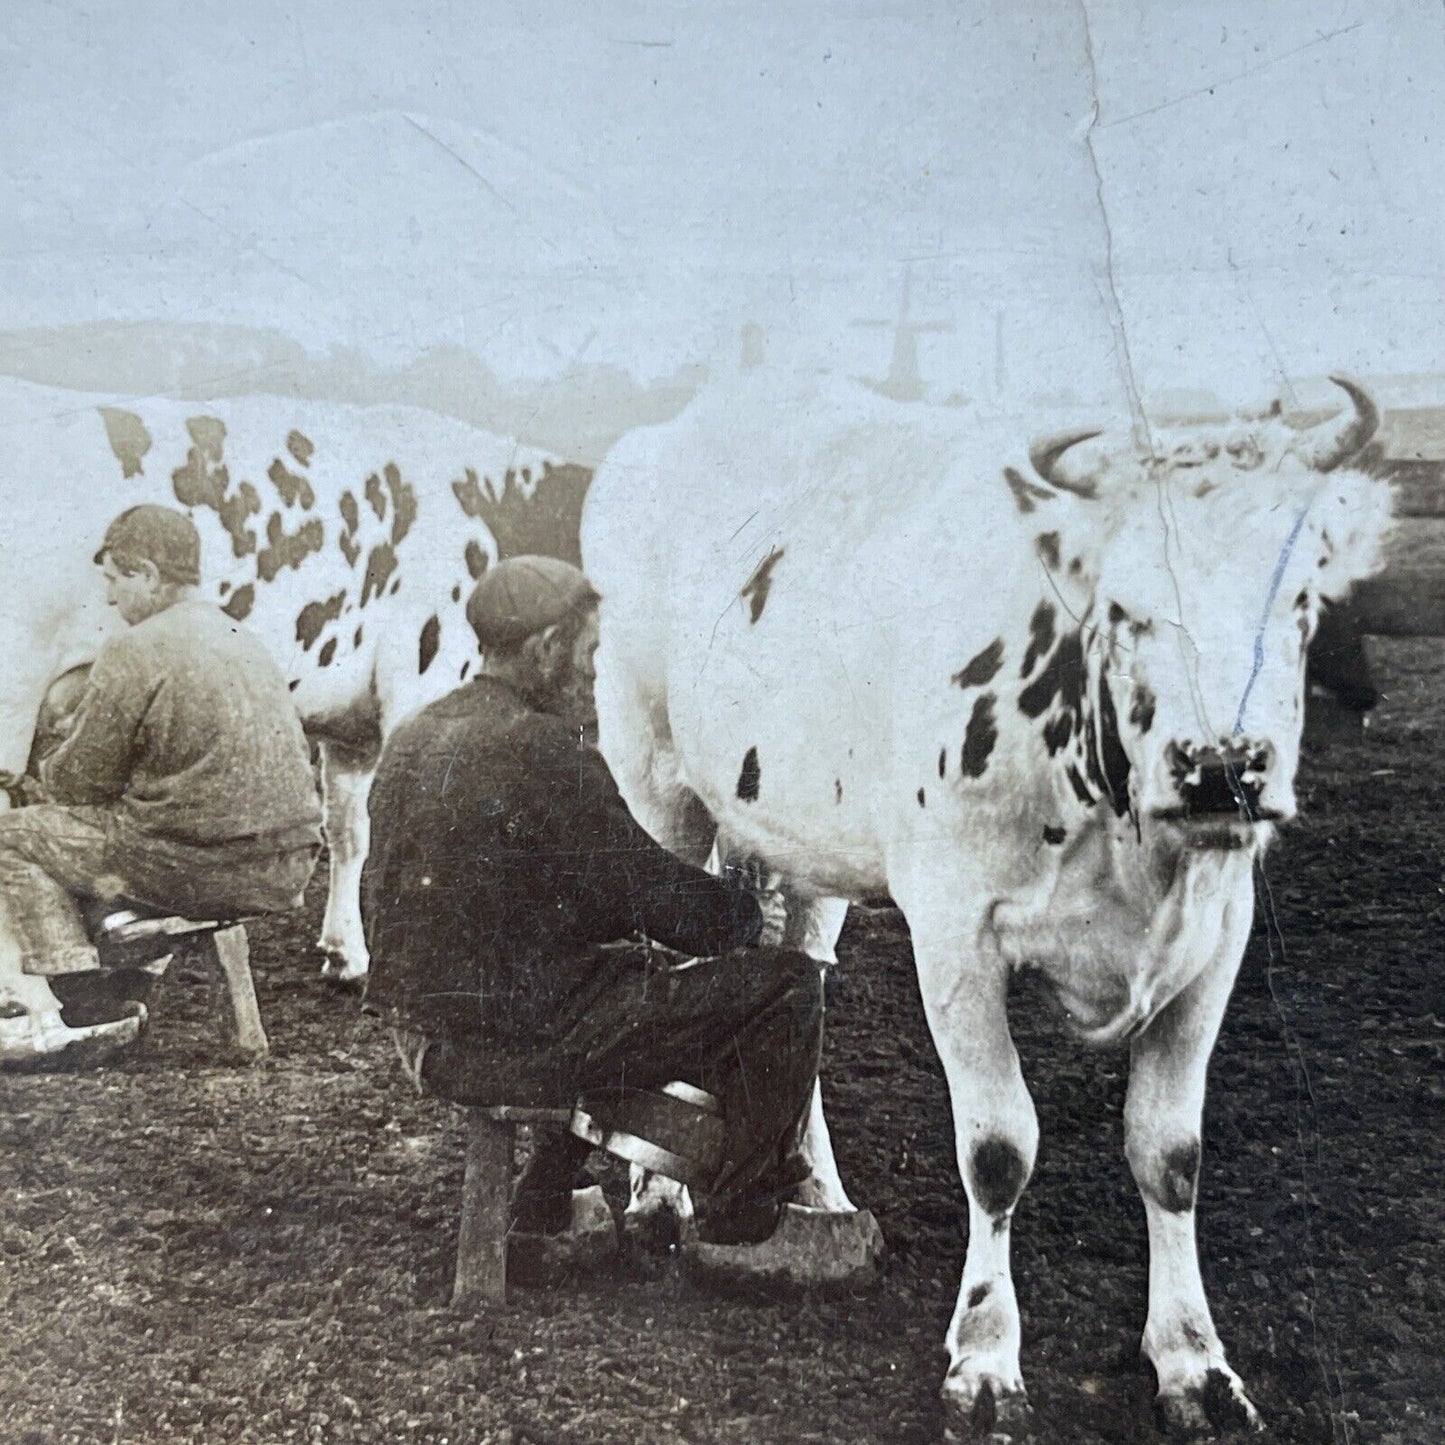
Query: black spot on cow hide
983, 668
760, 583
314, 617
1048, 549
291, 487
287, 549
430, 640
380, 564
750, 778
837, 790
979, 738
1041, 636
1141, 710
1054, 836
376, 496
300, 446
942, 761
1080, 787
1057, 732
238, 608
128, 438
1178, 1179
998, 1174
921, 799
1061, 677
977, 1295
240, 603
1112, 757
328, 651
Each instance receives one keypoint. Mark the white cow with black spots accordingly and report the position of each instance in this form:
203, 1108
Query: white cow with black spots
347, 538
1048, 699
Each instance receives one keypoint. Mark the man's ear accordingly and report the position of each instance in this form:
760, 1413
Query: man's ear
544, 647
150, 572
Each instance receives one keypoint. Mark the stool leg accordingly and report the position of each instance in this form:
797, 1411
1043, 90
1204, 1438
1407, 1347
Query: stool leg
482, 1240
231, 950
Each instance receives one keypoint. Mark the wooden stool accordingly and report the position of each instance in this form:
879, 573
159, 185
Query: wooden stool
481, 1276
220, 942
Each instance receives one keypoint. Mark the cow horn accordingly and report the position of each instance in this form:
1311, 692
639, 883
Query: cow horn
1325, 446
1045, 454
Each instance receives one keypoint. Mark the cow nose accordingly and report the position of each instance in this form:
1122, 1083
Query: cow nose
1222, 777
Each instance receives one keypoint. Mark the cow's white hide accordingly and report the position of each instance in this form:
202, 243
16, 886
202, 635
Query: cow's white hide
899, 651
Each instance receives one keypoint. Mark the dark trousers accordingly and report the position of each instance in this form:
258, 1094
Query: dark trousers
747, 1027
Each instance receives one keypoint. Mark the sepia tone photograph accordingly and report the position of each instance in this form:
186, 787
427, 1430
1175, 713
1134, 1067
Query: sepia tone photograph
722, 723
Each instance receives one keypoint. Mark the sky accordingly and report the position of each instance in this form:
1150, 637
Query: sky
1089, 197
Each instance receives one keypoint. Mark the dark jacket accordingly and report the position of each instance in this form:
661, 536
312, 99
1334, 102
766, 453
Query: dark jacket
501, 856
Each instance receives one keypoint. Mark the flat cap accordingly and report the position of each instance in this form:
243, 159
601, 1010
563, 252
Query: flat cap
523, 595
162, 535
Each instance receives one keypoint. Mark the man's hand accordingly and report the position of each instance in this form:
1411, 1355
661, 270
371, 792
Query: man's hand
752, 876
22, 789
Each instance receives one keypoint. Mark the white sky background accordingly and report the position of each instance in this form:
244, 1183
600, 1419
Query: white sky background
630, 182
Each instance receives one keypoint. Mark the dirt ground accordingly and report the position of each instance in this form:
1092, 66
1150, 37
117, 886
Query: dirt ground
195, 1253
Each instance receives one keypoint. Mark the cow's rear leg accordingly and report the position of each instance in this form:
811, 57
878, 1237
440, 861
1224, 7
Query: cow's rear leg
346, 773
814, 926
996, 1137
1198, 1392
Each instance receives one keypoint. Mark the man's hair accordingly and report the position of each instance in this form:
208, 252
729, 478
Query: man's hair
162, 536
569, 625
130, 563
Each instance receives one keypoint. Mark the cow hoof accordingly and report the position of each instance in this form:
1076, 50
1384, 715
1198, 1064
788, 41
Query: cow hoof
992, 1414
1217, 1406
341, 975
810, 1249
655, 1233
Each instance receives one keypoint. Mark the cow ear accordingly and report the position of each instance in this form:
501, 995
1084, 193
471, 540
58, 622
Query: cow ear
1355, 522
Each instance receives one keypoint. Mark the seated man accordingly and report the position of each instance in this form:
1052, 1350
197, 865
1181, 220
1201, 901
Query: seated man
184, 782
503, 860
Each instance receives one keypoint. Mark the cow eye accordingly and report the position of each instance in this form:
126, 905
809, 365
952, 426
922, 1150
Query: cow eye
1117, 615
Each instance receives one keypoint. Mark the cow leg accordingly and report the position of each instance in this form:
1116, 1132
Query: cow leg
346, 774
1162, 1124
813, 926
996, 1136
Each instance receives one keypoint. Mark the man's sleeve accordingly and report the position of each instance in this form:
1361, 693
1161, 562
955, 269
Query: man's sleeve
623, 882
93, 764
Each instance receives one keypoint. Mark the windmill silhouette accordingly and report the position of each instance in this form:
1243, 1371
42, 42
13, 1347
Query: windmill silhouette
903, 382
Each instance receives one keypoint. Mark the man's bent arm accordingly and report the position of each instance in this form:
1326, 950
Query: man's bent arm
625, 882
93, 764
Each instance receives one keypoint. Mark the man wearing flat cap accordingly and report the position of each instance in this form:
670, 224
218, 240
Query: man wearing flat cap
509, 899
184, 781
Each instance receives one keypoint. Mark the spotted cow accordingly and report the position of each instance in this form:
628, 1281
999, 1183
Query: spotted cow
347, 538
1051, 706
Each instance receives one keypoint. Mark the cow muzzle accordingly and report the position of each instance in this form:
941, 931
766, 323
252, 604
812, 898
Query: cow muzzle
1221, 791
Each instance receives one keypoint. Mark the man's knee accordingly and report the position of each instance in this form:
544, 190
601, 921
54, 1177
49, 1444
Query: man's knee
795, 981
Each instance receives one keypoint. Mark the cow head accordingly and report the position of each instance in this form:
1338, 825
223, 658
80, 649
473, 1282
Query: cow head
1197, 570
